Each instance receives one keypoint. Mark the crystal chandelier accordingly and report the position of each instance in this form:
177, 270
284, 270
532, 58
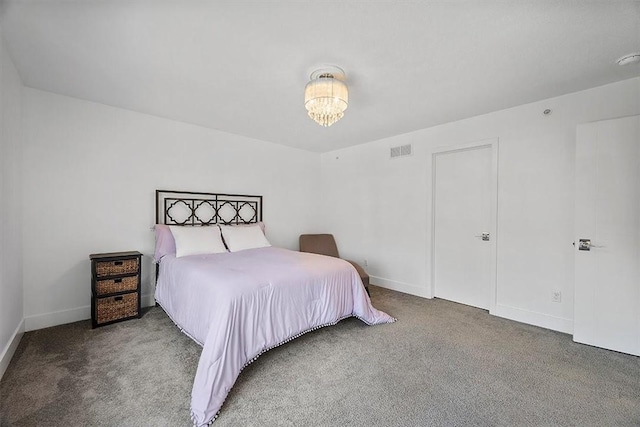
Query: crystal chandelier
326, 96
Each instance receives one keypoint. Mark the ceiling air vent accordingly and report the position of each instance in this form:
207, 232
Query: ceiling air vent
400, 151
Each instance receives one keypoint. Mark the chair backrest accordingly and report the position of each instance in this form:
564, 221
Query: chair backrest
323, 244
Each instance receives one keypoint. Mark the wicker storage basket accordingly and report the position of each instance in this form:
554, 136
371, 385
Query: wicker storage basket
116, 308
114, 268
111, 286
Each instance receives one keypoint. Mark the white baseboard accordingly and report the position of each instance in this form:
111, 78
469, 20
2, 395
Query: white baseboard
148, 300
10, 348
559, 324
512, 313
47, 320
406, 288
55, 318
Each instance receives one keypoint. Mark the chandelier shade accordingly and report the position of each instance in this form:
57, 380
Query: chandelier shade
326, 97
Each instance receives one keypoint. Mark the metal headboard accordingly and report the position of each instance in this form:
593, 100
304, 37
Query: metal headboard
200, 209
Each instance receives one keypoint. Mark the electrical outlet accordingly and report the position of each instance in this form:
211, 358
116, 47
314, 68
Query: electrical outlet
366, 263
557, 296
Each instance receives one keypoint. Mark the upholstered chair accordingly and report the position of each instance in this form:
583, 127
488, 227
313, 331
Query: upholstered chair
325, 244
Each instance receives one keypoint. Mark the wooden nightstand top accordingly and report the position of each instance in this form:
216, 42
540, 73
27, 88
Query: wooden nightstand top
115, 255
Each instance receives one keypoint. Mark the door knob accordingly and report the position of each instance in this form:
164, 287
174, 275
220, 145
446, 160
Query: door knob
586, 245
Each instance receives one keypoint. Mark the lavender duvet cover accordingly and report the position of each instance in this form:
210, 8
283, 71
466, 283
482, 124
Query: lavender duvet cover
239, 305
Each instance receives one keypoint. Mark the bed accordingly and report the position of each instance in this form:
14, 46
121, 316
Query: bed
237, 304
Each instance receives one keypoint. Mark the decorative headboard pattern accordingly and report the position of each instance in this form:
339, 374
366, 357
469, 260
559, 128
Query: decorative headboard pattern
194, 209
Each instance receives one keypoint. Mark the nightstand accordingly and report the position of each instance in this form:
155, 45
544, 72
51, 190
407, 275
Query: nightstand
115, 287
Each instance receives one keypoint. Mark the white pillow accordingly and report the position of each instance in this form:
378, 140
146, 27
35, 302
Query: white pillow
243, 237
197, 240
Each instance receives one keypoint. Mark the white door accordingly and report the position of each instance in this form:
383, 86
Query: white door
462, 212
607, 218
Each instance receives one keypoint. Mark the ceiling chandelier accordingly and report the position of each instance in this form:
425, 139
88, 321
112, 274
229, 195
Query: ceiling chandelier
326, 96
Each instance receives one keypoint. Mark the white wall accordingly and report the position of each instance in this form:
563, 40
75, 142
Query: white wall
11, 324
90, 172
379, 208
89, 182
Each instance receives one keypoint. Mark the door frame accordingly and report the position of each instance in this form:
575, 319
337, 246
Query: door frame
492, 144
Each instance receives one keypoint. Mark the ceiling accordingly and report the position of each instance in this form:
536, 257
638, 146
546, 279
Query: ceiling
241, 67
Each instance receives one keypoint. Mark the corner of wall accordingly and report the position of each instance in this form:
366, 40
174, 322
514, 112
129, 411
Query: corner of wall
11, 143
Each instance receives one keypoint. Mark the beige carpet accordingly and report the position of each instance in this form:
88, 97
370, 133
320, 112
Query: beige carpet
441, 364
